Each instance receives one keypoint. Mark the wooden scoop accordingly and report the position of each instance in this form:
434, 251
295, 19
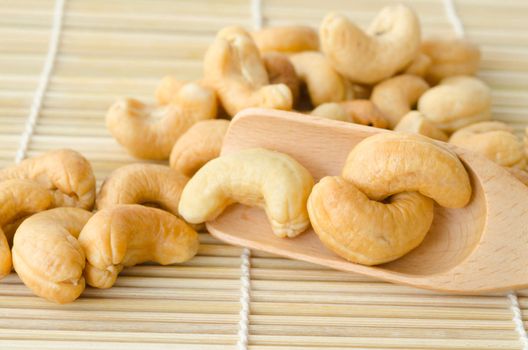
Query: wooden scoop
480, 248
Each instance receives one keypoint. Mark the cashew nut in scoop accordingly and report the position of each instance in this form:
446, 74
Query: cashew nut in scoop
18, 198
281, 71
456, 102
324, 83
127, 235
396, 96
357, 111
286, 39
233, 66
254, 177
65, 172
142, 184
414, 122
389, 45
419, 66
494, 140
450, 57
200, 144
390, 163
47, 256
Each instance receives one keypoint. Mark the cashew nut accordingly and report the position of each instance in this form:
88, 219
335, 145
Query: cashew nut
255, 177
65, 172
323, 83
233, 66
47, 255
18, 198
414, 122
356, 111
456, 102
201, 143
286, 39
390, 163
127, 235
150, 132
494, 140
389, 45
281, 71
419, 66
450, 57
142, 184
396, 96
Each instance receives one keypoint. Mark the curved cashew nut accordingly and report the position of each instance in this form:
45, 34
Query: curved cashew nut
456, 102
390, 44
131, 234
286, 39
281, 71
47, 255
419, 66
65, 172
232, 65
142, 184
396, 96
323, 83
365, 231
255, 177
150, 132
450, 57
200, 144
357, 111
494, 140
390, 163
18, 198
414, 122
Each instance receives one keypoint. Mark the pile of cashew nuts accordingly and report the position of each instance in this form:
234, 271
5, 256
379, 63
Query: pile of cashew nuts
379, 208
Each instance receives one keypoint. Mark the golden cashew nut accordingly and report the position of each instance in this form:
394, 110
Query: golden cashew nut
233, 66
324, 83
281, 71
131, 234
396, 96
456, 102
357, 111
389, 45
18, 198
255, 177
47, 255
142, 184
414, 122
450, 57
150, 132
494, 140
200, 144
65, 172
286, 39
419, 66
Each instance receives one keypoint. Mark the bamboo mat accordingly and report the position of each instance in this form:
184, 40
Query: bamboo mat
122, 48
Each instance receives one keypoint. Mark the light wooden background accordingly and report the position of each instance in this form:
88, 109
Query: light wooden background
122, 48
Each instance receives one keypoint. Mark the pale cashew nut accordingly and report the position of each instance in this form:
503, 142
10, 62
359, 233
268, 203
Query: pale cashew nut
389, 45
233, 66
150, 132
357, 111
200, 144
142, 184
450, 57
456, 102
414, 122
419, 66
365, 231
494, 140
47, 256
131, 234
324, 83
286, 39
255, 177
18, 198
396, 96
167, 90
281, 71
65, 172
390, 163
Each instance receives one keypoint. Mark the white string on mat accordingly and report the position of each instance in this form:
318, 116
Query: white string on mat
245, 298
452, 16
36, 104
256, 14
